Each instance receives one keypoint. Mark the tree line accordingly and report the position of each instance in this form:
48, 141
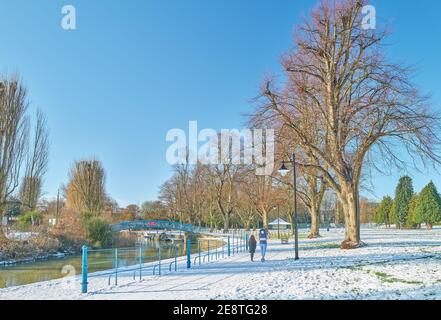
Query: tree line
410, 210
342, 106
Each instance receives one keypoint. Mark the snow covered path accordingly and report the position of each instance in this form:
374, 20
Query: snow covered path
394, 265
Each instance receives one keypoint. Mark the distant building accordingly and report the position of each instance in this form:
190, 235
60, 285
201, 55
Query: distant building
279, 223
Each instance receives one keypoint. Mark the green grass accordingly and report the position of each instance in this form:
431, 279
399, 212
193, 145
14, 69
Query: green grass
329, 246
390, 279
324, 245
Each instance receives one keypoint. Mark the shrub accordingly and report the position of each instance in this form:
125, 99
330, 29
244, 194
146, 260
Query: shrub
99, 233
31, 218
70, 230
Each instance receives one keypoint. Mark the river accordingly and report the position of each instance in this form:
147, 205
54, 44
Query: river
52, 268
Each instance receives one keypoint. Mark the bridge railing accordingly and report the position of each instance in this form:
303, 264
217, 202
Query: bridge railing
151, 225
141, 261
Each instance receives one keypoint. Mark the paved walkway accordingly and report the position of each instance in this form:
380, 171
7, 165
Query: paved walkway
200, 282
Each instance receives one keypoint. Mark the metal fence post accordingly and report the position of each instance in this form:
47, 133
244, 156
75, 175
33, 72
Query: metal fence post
115, 263
233, 243
176, 258
199, 251
188, 254
229, 250
246, 242
140, 262
208, 250
84, 270
160, 257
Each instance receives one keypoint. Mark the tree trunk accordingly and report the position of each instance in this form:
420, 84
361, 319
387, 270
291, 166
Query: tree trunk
337, 213
226, 222
429, 226
265, 219
315, 222
351, 209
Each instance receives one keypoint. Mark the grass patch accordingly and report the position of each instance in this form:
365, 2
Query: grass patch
384, 277
324, 245
330, 246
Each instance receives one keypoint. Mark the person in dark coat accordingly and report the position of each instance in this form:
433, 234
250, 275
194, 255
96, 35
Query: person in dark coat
252, 244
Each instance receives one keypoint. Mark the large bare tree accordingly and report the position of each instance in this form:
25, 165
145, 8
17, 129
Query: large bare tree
366, 107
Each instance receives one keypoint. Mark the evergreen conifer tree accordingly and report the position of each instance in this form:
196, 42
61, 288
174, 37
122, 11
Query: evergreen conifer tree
412, 221
428, 207
403, 195
384, 211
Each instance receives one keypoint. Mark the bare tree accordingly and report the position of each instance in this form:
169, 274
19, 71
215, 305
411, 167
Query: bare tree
339, 79
85, 191
260, 193
311, 184
14, 127
223, 179
36, 165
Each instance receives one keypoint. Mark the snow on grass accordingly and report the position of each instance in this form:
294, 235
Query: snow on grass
395, 264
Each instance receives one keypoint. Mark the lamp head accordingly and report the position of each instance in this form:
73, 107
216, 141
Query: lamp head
283, 170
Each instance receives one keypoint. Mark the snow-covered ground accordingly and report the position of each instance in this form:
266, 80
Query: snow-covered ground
394, 265
21, 236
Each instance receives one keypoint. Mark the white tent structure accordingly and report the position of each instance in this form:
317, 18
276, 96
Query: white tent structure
279, 223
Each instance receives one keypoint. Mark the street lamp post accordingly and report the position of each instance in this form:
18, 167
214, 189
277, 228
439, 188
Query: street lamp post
284, 171
278, 221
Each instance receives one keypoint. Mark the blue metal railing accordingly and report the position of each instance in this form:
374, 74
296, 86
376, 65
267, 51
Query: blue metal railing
151, 225
136, 261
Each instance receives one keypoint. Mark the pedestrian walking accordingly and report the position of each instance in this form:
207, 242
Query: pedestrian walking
252, 244
263, 237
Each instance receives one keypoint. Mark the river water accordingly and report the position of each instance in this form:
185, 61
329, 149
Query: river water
98, 260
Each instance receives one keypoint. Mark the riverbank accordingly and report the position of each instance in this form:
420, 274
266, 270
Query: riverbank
27, 247
395, 264
34, 258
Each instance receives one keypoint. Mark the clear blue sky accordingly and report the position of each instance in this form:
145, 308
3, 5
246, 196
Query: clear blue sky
135, 69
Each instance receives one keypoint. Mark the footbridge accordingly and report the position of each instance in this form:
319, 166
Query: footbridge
151, 225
